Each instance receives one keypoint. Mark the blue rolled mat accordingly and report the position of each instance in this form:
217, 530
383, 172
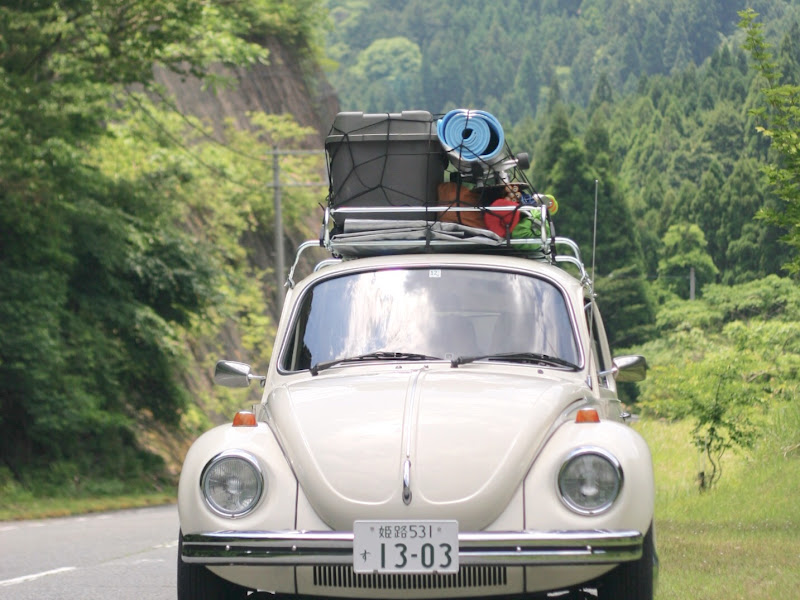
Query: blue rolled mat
471, 135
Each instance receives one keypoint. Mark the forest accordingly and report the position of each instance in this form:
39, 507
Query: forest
122, 220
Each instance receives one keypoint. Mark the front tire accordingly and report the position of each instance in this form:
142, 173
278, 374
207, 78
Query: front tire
195, 582
632, 580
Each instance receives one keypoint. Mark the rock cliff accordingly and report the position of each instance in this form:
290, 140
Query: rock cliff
284, 85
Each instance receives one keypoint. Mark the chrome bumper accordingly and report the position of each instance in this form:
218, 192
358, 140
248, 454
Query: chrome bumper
304, 548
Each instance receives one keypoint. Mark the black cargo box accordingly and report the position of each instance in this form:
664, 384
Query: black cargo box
383, 160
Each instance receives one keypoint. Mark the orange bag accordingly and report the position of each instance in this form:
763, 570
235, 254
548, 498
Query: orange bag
449, 194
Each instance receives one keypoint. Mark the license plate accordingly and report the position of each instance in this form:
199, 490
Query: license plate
405, 546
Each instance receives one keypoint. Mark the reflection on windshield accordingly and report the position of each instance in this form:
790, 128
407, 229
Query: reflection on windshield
437, 312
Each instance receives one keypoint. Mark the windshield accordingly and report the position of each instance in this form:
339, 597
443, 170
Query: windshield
444, 313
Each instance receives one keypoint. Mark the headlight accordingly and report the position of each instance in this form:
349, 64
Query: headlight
590, 481
232, 483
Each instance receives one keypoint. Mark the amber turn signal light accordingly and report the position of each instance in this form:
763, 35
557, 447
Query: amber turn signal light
587, 415
244, 418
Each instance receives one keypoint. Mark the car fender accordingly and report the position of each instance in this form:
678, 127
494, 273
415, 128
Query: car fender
635, 504
276, 508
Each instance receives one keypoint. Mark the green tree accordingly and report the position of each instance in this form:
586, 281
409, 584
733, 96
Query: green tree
652, 45
719, 390
620, 277
564, 172
389, 71
571, 174
684, 250
676, 48
723, 132
706, 210
602, 94
789, 55
782, 127
525, 96
751, 247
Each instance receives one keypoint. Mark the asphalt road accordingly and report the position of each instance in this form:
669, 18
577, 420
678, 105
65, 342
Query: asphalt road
125, 555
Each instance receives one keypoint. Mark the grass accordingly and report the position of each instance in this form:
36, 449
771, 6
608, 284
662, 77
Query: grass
24, 506
43, 498
739, 539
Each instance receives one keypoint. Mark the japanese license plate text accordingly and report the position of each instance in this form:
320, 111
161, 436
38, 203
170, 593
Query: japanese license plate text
405, 546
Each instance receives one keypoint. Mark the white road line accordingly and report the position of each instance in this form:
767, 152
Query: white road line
26, 578
143, 561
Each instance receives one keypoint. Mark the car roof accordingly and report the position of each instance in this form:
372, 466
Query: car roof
461, 260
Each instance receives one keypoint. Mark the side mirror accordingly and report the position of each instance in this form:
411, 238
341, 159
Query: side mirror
630, 368
233, 374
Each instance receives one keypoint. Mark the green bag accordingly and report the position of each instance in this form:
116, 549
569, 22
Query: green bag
529, 228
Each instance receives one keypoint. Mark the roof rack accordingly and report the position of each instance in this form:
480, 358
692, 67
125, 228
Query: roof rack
375, 237
424, 231
388, 192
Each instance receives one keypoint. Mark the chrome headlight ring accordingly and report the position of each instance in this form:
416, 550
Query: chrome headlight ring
232, 483
589, 481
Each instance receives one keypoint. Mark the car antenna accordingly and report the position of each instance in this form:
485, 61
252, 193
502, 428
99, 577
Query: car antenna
594, 232
594, 249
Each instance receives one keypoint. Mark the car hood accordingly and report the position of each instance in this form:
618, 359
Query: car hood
466, 437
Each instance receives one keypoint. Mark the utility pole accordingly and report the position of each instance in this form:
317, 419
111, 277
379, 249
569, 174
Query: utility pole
277, 199
691, 283
280, 260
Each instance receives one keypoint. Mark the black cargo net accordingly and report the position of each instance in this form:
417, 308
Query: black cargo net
394, 166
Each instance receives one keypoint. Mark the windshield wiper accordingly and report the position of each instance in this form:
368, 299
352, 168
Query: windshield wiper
380, 355
528, 357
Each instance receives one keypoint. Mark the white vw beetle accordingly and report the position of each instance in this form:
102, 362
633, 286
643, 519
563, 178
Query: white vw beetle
440, 415
432, 426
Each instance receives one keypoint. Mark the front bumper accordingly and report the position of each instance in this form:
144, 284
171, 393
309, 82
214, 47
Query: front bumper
304, 548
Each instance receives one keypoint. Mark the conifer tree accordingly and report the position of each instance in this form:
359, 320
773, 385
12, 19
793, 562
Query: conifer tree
782, 122
571, 175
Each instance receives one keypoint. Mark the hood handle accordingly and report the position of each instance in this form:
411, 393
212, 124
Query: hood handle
407, 481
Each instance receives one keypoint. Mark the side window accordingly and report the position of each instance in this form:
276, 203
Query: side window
599, 345
297, 355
